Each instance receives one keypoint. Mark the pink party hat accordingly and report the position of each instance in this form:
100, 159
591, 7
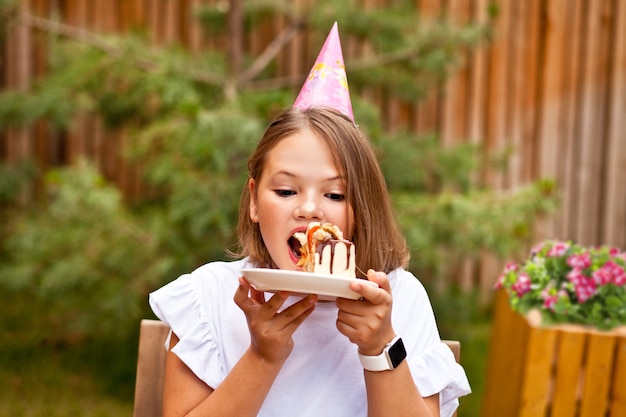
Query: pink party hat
327, 83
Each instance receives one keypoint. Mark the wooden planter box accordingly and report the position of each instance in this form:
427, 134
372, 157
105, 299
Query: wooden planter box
564, 371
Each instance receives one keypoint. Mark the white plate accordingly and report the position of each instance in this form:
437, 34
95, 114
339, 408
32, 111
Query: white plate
327, 287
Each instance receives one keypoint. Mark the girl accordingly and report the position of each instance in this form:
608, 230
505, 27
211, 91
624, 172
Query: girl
234, 351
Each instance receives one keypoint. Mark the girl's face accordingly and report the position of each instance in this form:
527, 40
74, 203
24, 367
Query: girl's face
299, 184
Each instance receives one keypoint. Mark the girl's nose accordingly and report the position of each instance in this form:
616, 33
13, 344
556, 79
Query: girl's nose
309, 210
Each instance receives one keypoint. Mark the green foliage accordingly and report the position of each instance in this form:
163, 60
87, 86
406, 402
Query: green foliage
198, 166
14, 179
421, 165
445, 213
79, 254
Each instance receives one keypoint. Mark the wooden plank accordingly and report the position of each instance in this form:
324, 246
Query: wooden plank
131, 14
518, 83
429, 108
477, 100
565, 219
22, 77
171, 21
592, 127
614, 215
550, 129
499, 65
505, 359
153, 21
537, 373
530, 14
569, 366
43, 142
455, 95
598, 375
552, 87
76, 14
104, 15
469, 276
617, 407
195, 35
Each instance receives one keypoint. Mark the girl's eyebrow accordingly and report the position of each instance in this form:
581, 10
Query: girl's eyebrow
295, 175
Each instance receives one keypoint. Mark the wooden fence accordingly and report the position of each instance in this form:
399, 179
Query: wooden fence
551, 85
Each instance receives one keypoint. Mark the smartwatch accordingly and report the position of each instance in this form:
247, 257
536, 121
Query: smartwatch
392, 356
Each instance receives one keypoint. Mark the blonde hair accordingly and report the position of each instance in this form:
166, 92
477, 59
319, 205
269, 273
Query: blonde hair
377, 239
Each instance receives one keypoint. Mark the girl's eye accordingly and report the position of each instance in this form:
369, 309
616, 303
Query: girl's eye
284, 193
336, 197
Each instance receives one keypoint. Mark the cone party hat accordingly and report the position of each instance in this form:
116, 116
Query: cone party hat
327, 83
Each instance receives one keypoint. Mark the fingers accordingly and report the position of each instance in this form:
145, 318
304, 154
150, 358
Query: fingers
247, 298
295, 315
271, 329
241, 295
254, 305
367, 322
370, 293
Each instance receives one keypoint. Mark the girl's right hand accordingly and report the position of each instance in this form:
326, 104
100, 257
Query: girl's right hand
270, 330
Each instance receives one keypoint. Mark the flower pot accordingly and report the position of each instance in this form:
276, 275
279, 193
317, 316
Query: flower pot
556, 371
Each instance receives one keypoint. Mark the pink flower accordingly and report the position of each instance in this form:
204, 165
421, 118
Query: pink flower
615, 272
575, 276
602, 276
536, 249
585, 289
509, 267
549, 301
522, 285
581, 261
558, 249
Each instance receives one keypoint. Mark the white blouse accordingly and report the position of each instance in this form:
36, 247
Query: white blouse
322, 376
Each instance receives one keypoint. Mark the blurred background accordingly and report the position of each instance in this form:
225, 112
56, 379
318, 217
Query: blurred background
125, 126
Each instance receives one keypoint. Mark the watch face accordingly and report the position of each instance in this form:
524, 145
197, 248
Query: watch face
397, 353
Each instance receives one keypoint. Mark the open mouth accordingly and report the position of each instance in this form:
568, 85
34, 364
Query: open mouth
295, 245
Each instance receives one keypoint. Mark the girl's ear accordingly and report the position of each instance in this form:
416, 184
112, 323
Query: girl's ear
253, 205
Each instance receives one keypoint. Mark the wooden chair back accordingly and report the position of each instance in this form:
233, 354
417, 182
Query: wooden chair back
151, 367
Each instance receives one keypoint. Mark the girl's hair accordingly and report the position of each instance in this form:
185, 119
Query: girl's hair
378, 242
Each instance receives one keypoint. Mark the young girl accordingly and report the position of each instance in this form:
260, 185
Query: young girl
234, 351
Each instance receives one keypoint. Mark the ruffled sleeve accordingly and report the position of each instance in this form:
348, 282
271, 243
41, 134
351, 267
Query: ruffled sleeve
432, 363
436, 371
178, 305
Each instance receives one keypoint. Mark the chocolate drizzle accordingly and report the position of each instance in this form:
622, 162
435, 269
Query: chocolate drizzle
332, 243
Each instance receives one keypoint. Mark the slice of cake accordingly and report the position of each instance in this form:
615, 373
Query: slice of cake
324, 251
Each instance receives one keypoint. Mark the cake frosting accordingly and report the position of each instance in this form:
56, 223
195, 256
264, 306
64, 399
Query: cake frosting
324, 251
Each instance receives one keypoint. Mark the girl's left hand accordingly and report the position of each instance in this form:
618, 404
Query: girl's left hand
367, 322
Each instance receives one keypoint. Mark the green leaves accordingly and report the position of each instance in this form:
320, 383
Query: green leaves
446, 213
79, 259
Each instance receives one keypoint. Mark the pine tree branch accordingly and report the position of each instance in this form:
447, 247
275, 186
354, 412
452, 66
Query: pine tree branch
89, 38
70, 32
271, 51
